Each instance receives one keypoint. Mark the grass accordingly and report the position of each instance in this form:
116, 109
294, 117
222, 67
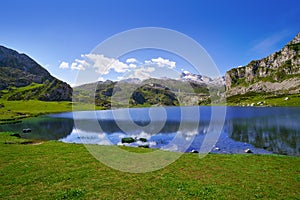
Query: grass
55, 170
267, 99
11, 111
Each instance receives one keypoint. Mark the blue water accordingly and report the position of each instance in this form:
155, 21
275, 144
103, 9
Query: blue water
264, 130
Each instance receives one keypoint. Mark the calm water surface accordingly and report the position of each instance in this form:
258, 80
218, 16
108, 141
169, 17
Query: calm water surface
264, 130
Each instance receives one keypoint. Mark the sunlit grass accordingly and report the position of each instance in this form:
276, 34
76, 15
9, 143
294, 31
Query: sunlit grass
55, 170
13, 110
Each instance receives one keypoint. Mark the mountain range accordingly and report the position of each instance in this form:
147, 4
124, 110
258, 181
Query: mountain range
149, 92
21, 78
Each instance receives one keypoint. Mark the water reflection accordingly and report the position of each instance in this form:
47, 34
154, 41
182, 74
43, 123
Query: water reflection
272, 129
42, 128
277, 133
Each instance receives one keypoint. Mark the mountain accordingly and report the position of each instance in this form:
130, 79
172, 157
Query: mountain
149, 92
201, 79
21, 78
278, 73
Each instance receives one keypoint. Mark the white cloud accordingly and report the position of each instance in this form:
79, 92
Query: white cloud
161, 62
131, 60
104, 64
77, 66
82, 62
132, 68
101, 79
64, 65
141, 73
132, 65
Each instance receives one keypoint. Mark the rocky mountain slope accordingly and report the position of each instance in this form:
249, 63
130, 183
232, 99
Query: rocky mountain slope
202, 79
133, 92
278, 73
21, 78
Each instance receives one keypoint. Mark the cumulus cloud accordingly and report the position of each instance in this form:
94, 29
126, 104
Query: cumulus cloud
64, 65
77, 66
131, 68
131, 60
104, 65
141, 73
161, 62
132, 65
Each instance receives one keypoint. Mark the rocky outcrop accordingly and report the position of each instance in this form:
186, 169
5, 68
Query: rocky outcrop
279, 72
19, 70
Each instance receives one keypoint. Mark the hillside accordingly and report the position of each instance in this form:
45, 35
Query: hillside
276, 75
21, 78
157, 92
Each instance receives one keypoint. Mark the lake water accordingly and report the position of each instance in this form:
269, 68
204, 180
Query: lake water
264, 130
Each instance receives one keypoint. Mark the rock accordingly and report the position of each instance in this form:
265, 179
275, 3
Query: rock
16, 135
269, 74
138, 97
217, 149
128, 140
194, 151
144, 146
286, 98
26, 130
248, 151
142, 139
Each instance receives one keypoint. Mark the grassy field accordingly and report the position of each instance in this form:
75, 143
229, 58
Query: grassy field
55, 170
16, 110
264, 99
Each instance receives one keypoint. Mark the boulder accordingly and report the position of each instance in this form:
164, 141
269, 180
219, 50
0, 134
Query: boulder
142, 139
16, 135
217, 149
128, 140
248, 151
26, 130
144, 146
194, 151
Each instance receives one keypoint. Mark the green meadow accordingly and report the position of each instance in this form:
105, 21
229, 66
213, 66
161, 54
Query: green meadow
55, 170
11, 111
32, 169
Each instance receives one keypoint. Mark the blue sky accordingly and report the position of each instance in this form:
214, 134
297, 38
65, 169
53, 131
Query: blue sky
233, 32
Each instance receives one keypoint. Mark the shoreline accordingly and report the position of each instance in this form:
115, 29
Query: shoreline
10, 139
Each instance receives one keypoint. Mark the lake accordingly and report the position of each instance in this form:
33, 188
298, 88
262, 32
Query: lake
264, 130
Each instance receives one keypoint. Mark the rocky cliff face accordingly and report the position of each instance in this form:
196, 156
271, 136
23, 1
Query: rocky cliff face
18, 70
279, 73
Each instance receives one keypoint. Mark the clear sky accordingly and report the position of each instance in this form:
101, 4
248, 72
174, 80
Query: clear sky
234, 32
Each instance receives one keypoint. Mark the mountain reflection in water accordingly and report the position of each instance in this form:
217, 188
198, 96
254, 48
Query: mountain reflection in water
277, 133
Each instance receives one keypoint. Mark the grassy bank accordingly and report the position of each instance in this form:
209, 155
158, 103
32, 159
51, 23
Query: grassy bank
11, 111
54, 170
264, 99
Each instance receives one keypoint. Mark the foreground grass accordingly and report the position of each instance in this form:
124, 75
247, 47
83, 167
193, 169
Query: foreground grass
54, 170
